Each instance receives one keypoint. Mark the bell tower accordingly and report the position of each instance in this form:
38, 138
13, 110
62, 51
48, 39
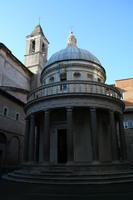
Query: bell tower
36, 54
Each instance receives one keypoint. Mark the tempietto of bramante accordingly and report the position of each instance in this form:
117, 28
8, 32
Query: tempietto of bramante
74, 123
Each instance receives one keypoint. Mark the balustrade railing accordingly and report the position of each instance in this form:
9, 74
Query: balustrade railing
71, 87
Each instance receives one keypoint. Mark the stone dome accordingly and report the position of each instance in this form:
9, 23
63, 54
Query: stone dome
72, 52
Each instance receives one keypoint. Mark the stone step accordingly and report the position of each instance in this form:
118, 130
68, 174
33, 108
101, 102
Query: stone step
69, 181
49, 170
74, 174
45, 173
81, 178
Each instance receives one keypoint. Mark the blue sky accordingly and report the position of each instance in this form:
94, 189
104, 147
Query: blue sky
104, 27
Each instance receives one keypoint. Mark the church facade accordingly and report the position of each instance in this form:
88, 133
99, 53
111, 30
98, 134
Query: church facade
16, 80
14, 87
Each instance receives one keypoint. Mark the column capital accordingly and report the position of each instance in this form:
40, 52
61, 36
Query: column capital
46, 111
32, 116
111, 111
121, 116
69, 109
93, 109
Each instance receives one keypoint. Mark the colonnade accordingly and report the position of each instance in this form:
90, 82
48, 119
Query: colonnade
44, 153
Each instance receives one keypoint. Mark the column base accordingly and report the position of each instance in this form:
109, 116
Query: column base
45, 163
116, 162
96, 162
30, 163
70, 163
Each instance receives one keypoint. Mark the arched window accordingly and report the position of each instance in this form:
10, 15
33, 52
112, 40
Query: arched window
43, 47
99, 80
77, 75
5, 111
33, 46
17, 116
63, 76
90, 76
51, 79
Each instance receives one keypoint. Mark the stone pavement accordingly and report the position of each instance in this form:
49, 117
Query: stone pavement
24, 191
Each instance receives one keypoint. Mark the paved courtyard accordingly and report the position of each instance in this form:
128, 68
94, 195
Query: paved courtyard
25, 191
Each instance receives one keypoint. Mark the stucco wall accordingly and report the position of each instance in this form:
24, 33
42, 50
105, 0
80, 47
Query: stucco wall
126, 86
12, 130
129, 136
11, 74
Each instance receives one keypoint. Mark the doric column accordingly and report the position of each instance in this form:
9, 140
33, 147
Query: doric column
123, 147
113, 136
94, 136
46, 136
70, 150
26, 139
41, 140
32, 138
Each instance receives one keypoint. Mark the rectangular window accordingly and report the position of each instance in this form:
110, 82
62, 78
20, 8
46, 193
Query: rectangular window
128, 124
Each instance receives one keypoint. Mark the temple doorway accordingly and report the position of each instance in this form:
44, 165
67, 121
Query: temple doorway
62, 146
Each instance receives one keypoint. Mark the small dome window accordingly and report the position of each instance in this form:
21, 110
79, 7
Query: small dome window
77, 75
51, 79
5, 111
90, 76
44, 82
99, 80
63, 76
